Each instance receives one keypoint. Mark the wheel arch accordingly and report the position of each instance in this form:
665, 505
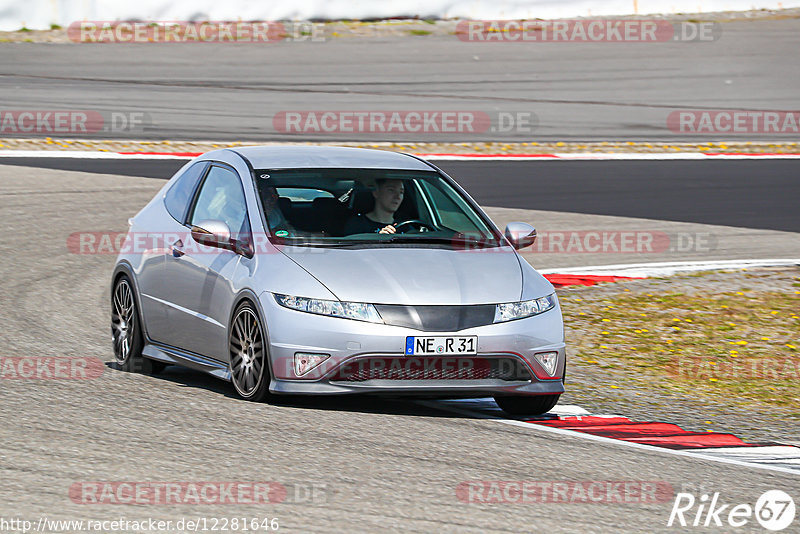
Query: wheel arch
250, 296
122, 268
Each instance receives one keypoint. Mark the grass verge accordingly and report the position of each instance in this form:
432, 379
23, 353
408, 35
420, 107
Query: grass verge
741, 346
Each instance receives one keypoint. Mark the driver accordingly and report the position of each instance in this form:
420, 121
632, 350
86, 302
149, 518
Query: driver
388, 195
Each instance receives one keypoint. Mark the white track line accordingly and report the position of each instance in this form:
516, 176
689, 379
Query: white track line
488, 405
86, 154
698, 156
608, 441
681, 156
769, 454
658, 269
83, 154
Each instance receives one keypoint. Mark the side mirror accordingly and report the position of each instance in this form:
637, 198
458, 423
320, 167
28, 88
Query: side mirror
213, 234
520, 235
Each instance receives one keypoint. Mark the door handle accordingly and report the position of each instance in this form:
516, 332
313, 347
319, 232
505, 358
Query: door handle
175, 248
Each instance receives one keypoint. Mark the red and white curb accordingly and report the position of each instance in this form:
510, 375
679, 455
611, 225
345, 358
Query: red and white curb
587, 276
566, 156
663, 437
94, 154
666, 438
563, 280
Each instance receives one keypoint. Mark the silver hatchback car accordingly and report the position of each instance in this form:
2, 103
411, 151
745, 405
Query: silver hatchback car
322, 270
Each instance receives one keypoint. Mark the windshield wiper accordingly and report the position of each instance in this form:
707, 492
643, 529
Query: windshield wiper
396, 239
436, 240
342, 243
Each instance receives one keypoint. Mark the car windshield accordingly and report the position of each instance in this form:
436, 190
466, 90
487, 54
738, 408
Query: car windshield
358, 207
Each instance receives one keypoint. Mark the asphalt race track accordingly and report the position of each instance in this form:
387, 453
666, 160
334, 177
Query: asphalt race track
585, 91
365, 464
750, 194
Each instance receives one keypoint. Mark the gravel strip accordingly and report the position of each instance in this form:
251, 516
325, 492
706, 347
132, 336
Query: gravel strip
590, 385
603, 147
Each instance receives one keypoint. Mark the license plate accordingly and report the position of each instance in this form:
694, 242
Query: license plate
441, 346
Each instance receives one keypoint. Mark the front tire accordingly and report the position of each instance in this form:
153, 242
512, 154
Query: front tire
522, 405
248, 355
126, 331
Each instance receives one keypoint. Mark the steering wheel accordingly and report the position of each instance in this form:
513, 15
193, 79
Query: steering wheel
419, 223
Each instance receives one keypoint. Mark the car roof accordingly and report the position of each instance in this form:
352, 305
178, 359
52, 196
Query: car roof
304, 157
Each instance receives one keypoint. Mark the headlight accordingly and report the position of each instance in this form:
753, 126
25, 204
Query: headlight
526, 308
347, 310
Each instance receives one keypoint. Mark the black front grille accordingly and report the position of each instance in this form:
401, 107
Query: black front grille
432, 368
437, 318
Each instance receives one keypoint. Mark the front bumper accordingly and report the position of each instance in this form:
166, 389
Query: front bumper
350, 343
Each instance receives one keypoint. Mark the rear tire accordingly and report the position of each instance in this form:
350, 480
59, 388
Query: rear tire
249, 365
126, 331
522, 405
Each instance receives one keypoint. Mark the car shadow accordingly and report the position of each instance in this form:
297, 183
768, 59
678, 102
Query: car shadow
185, 377
361, 403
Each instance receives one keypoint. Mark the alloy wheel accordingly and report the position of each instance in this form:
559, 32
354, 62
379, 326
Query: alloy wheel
247, 353
123, 321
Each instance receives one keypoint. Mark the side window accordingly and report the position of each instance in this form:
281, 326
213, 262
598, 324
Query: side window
449, 213
221, 198
178, 196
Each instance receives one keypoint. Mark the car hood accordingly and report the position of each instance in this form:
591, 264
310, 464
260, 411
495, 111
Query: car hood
416, 276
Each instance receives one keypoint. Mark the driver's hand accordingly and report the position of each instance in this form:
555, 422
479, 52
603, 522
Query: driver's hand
387, 229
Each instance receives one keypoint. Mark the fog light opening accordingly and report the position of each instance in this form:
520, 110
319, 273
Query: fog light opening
548, 360
306, 361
